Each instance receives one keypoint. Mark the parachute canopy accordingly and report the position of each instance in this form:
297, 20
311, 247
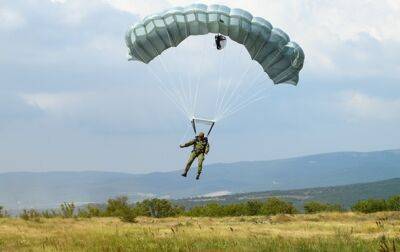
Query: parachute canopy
280, 58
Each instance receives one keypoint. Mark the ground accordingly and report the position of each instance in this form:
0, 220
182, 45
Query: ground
312, 232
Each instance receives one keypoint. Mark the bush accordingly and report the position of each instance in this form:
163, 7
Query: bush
116, 207
67, 210
316, 207
90, 211
119, 207
3, 213
370, 206
210, 210
157, 208
253, 207
275, 206
30, 214
393, 203
50, 214
129, 216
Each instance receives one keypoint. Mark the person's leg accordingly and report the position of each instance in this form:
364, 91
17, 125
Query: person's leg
200, 159
189, 163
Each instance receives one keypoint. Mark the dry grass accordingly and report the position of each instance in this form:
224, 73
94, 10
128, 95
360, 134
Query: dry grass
317, 232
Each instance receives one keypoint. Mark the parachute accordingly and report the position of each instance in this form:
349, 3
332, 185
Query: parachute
280, 58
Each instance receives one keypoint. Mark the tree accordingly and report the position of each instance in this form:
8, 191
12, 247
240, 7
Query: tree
316, 207
119, 207
3, 213
370, 206
393, 203
30, 214
275, 206
157, 208
253, 207
90, 210
67, 210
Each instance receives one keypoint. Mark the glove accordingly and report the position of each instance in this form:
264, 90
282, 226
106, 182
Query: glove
181, 146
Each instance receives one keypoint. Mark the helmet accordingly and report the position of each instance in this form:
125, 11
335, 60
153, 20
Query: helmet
201, 134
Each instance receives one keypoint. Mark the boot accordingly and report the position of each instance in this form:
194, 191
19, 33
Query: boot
198, 176
184, 174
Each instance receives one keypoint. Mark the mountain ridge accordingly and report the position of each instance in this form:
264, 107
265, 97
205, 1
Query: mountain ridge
44, 189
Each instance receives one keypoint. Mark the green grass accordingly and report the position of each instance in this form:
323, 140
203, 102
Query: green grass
318, 232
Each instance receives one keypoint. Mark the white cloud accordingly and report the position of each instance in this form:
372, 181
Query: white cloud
53, 102
361, 106
217, 193
10, 19
139, 7
73, 12
322, 28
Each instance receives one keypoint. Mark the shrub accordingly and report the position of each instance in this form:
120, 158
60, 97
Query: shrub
393, 203
67, 210
370, 206
209, 210
3, 213
117, 206
30, 214
129, 216
157, 208
253, 207
275, 206
90, 211
316, 207
50, 213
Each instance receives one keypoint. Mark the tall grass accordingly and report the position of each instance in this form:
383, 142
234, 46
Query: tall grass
298, 232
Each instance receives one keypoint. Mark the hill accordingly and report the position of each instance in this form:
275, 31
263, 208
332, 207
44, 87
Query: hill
48, 189
345, 195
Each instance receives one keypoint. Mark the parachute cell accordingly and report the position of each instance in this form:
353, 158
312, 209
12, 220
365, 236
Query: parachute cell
280, 58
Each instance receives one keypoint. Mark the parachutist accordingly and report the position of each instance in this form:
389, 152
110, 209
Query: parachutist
219, 39
200, 149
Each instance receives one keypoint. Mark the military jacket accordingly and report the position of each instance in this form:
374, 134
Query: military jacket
199, 146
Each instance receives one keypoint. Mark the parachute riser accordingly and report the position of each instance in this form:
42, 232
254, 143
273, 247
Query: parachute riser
203, 121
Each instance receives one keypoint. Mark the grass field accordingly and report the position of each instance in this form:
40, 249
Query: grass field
316, 232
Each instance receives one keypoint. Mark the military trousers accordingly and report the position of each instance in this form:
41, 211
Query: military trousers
192, 157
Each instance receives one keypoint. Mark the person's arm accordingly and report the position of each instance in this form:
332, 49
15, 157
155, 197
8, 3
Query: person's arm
188, 144
207, 148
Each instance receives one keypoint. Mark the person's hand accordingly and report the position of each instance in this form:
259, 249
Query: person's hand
181, 146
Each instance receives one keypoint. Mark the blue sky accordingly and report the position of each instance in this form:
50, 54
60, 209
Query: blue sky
70, 100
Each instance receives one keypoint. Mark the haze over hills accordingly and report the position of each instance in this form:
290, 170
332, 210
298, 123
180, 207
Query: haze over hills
48, 189
345, 195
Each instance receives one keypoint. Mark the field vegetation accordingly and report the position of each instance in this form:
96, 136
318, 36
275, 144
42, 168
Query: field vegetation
159, 225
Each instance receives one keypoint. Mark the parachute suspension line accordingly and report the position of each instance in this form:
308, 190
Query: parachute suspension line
182, 91
166, 92
225, 92
233, 95
178, 88
164, 89
189, 80
235, 98
220, 95
254, 98
257, 95
197, 82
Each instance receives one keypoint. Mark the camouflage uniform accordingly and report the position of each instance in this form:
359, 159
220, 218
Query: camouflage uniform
200, 149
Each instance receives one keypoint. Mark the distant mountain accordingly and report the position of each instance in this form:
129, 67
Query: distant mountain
345, 195
48, 189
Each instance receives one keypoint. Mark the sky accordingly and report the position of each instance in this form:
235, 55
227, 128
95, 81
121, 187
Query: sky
70, 99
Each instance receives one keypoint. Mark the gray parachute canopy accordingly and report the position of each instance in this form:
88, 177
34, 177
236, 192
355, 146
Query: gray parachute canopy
280, 58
